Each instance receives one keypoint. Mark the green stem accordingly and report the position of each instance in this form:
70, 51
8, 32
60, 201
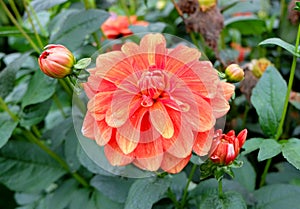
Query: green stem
15, 9
37, 36
247, 108
36, 131
67, 88
220, 188
39, 143
290, 85
265, 172
5, 108
185, 192
15, 22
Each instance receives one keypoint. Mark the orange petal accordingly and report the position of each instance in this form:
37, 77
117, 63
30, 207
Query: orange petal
114, 154
98, 105
125, 144
102, 133
173, 164
179, 56
181, 143
228, 89
88, 126
203, 142
154, 44
149, 150
161, 120
150, 164
113, 66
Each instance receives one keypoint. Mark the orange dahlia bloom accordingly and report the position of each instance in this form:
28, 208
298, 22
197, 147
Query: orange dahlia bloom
118, 26
152, 106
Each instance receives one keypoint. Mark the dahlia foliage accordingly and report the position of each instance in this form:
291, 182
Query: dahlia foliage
153, 106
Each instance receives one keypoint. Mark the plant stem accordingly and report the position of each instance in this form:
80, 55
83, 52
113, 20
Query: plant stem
67, 88
185, 192
15, 22
220, 188
290, 85
37, 36
285, 107
36, 141
5, 108
265, 172
15, 9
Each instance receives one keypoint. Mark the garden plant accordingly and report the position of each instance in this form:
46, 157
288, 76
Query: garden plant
139, 104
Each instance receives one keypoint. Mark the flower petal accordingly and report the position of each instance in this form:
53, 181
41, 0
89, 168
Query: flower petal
161, 120
203, 142
173, 164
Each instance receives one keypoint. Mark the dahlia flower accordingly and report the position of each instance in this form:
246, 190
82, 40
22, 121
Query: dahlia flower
152, 106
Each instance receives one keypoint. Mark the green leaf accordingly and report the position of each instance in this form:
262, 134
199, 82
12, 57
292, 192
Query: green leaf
70, 149
251, 145
25, 167
83, 63
73, 31
84, 198
268, 149
8, 31
145, 192
8, 75
291, 152
279, 42
39, 5
33, 114
230, 200
7, 126
89, 164
267, 98
277, 196
245, 175
41, 88
113, 187
246, 25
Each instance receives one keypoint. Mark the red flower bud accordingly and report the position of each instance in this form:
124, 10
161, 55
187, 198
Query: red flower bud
234, 73
56, 61
227, 146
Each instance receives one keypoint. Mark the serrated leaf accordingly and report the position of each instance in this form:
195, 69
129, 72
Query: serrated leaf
291, 152
246, 25
25, 167
113, 187
267, 99
77, 26
279, 42
251, 144
7, 126
228, 201
8, 75
145, 192
268, 148
277, 196
40, 88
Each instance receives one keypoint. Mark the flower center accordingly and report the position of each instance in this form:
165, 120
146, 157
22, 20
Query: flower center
151, 84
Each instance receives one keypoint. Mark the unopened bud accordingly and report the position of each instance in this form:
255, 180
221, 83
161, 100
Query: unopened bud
260, 66
234, 73
56, 61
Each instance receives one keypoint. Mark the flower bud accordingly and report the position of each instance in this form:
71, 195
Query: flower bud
260, 66
227, 147
56, 61
234, 73
207, 4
